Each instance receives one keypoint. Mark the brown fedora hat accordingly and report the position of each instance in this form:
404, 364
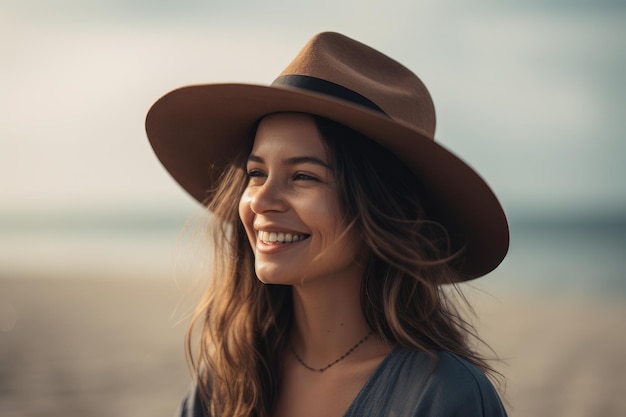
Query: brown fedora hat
197, 130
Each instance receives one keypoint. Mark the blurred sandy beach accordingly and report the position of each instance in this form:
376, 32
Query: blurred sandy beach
93, 313
90, 347
561, 356
113, 347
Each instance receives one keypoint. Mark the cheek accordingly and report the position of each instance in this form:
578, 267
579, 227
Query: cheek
245, 214
327, 209
243, 207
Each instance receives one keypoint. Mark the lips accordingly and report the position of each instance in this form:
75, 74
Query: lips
277, 238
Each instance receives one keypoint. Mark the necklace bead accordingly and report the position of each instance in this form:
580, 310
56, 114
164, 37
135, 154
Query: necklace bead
339, 359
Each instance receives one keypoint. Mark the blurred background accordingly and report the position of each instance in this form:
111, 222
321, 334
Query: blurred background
92, 308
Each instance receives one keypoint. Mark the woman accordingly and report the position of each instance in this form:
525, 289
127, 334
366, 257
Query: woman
340, 229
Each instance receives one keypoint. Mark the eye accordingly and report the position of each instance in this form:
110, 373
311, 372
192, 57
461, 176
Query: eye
304, 177
255, 176
255, 173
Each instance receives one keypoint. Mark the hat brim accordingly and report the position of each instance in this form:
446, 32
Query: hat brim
197, 130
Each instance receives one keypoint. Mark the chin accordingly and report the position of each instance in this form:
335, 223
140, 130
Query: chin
269, 281
262, 280
275, 278
267, 277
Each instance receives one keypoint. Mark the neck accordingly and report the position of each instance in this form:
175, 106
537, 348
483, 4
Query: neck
328, 319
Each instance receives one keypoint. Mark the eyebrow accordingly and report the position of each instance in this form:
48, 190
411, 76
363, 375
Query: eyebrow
295, 160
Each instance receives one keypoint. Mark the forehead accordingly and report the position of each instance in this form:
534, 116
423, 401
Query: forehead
289, 134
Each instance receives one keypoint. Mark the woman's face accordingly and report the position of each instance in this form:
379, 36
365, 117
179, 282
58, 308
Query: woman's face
290, 208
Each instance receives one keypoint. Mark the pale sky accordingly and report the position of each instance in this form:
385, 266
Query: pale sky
530, 93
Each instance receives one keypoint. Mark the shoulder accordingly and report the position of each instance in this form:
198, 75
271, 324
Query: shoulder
452, 371
436, 384
465, 383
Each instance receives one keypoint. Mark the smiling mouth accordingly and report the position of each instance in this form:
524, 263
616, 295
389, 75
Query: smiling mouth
277, 238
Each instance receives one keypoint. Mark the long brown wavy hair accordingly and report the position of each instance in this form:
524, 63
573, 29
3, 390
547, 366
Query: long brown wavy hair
243, 325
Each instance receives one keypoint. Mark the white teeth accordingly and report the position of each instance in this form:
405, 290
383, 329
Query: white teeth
279, 237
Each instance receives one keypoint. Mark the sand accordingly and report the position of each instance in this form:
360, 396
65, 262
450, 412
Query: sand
79, 346
91, 347
561, 356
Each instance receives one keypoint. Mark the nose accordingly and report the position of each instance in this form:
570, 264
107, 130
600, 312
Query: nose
267, 197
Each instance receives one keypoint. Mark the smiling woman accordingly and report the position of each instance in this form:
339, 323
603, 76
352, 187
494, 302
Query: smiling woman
339, 226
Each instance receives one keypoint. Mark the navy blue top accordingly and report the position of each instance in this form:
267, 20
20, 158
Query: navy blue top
410, 383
